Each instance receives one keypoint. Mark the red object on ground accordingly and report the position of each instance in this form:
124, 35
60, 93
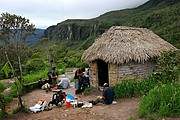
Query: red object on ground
68, 103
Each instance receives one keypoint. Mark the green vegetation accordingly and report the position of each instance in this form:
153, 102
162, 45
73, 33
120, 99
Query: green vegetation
163, 19
160, 91
2, 87
2, 106
14, 31
35, 77
163, 100
88, 91
160, 16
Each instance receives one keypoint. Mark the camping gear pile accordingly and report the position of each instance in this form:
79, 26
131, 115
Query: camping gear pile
40, 106
58, 99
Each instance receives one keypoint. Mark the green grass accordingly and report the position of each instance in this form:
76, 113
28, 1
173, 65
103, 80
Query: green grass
2, 87
35, 77
163, 100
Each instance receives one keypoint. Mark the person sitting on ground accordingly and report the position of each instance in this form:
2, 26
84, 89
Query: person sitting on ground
43, 85
64, 83
107, 97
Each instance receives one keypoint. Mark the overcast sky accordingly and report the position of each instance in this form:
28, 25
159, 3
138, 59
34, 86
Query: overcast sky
44, 13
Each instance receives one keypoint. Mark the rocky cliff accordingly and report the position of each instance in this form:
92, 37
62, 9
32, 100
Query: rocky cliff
73, 30
160, 16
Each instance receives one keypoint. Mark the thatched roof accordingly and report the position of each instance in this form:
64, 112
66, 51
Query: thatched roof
122, 44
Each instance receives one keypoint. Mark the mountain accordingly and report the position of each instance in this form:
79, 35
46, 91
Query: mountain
160, 16
39, 33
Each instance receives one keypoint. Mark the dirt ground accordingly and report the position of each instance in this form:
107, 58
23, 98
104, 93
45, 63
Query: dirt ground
124, 109
120, 111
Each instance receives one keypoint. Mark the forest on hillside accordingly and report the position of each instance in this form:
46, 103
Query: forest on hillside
25, 64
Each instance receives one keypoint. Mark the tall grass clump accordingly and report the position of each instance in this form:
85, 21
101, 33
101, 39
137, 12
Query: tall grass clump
163, 100
131, 88
142, 87
35, 77
124, 89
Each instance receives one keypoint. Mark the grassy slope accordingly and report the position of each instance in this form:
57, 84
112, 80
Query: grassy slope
160, 16
163, 20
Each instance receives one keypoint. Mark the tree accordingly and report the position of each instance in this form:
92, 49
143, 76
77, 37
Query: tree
14, 30
44, 42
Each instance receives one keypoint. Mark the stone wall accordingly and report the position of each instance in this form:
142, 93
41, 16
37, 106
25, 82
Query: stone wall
117, 73
94, 74
113, 74
135, 70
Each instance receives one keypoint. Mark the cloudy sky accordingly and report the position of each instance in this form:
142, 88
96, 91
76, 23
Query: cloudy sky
44, 13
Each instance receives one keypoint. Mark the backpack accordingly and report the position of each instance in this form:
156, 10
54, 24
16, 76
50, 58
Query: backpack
59, 96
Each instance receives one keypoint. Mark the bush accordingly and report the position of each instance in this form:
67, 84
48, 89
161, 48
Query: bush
124, 89
8, 99
62, 71
82, 65
2, 106
35, 77
168, 67
2, 87
35, 65
142, 87
163, 100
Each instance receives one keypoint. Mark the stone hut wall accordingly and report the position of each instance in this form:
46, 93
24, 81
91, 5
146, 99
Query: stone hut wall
94, 74
135, 70
118, 73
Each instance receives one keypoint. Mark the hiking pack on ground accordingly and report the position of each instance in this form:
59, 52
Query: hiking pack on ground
58, 99
40, 106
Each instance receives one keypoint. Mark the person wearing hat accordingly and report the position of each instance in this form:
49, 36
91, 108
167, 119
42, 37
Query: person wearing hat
107, 96
64, 83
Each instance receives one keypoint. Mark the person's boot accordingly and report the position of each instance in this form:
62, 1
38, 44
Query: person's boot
92, 102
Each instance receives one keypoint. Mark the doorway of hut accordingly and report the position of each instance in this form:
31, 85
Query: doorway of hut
103, 76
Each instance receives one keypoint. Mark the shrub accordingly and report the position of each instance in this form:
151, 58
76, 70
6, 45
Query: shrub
168, 67
142, 87
62, 71
163, 100
34, 65
82, 65
35, 77
124, 89
2, 87
8, 99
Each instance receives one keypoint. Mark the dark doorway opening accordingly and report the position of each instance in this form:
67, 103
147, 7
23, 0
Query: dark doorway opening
103, 76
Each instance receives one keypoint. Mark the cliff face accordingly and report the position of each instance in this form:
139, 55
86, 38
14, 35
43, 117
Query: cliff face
72, 30
160, 16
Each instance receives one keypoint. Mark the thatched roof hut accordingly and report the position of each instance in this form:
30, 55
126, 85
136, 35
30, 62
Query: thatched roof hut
121, 45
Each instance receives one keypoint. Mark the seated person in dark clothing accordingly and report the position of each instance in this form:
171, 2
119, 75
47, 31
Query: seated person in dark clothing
41, 82
107, 97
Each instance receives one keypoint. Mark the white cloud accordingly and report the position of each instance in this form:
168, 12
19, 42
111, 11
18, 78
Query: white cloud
44, 13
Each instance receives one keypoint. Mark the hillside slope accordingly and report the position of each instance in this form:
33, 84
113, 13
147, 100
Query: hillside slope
160, 16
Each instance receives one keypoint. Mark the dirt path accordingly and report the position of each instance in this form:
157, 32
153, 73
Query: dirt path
123, 110
120, 111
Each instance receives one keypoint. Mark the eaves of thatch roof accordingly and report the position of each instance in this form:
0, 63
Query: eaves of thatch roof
122, 44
